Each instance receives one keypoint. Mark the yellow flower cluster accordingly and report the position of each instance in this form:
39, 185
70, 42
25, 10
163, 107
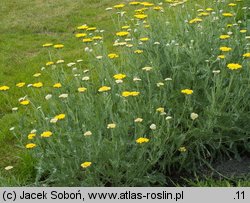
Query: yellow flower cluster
127, 94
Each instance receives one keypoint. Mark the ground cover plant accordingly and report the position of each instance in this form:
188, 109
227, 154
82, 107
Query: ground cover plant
168, 97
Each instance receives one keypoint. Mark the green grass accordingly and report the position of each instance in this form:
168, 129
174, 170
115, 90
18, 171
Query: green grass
26, 25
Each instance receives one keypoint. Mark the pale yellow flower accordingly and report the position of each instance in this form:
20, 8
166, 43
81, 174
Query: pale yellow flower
160, 109
147, 68
182, 149
37, 75
194, 116
82, 89
138, 120
20, 84
88, 133
7, 168
47, 45
152, 126
111, 125
58, 46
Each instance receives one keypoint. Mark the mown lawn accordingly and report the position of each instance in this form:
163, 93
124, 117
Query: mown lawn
24, 27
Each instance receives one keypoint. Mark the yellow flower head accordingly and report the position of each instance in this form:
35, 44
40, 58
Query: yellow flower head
31, 136
234, 66
141, 16
182, 149
104, 89
119, 76
119, 6
78, 35
209, 9
227, 14
247, 55
91, 29
195, 20
37, 75
24, 102
47, 45
203, 14
112, 56
143, 39
142, 140
125, 27
4, 88
232, 4
134, 93
49, 63
60, 116
225, 49
140, 11
147, 4
122, 34
30, 145
82, 89
82, 27
158, 8
97, 38
58, 46
187, 91
134, 3
138, 51
37, 85
60, 61
87, 40
224, 36
243, 31
20, 84
57, 85
46, 134
86, 164
221, 56
111, 126
160, 109
127, 94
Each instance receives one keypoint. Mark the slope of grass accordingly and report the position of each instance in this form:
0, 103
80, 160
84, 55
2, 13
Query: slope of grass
25, 26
